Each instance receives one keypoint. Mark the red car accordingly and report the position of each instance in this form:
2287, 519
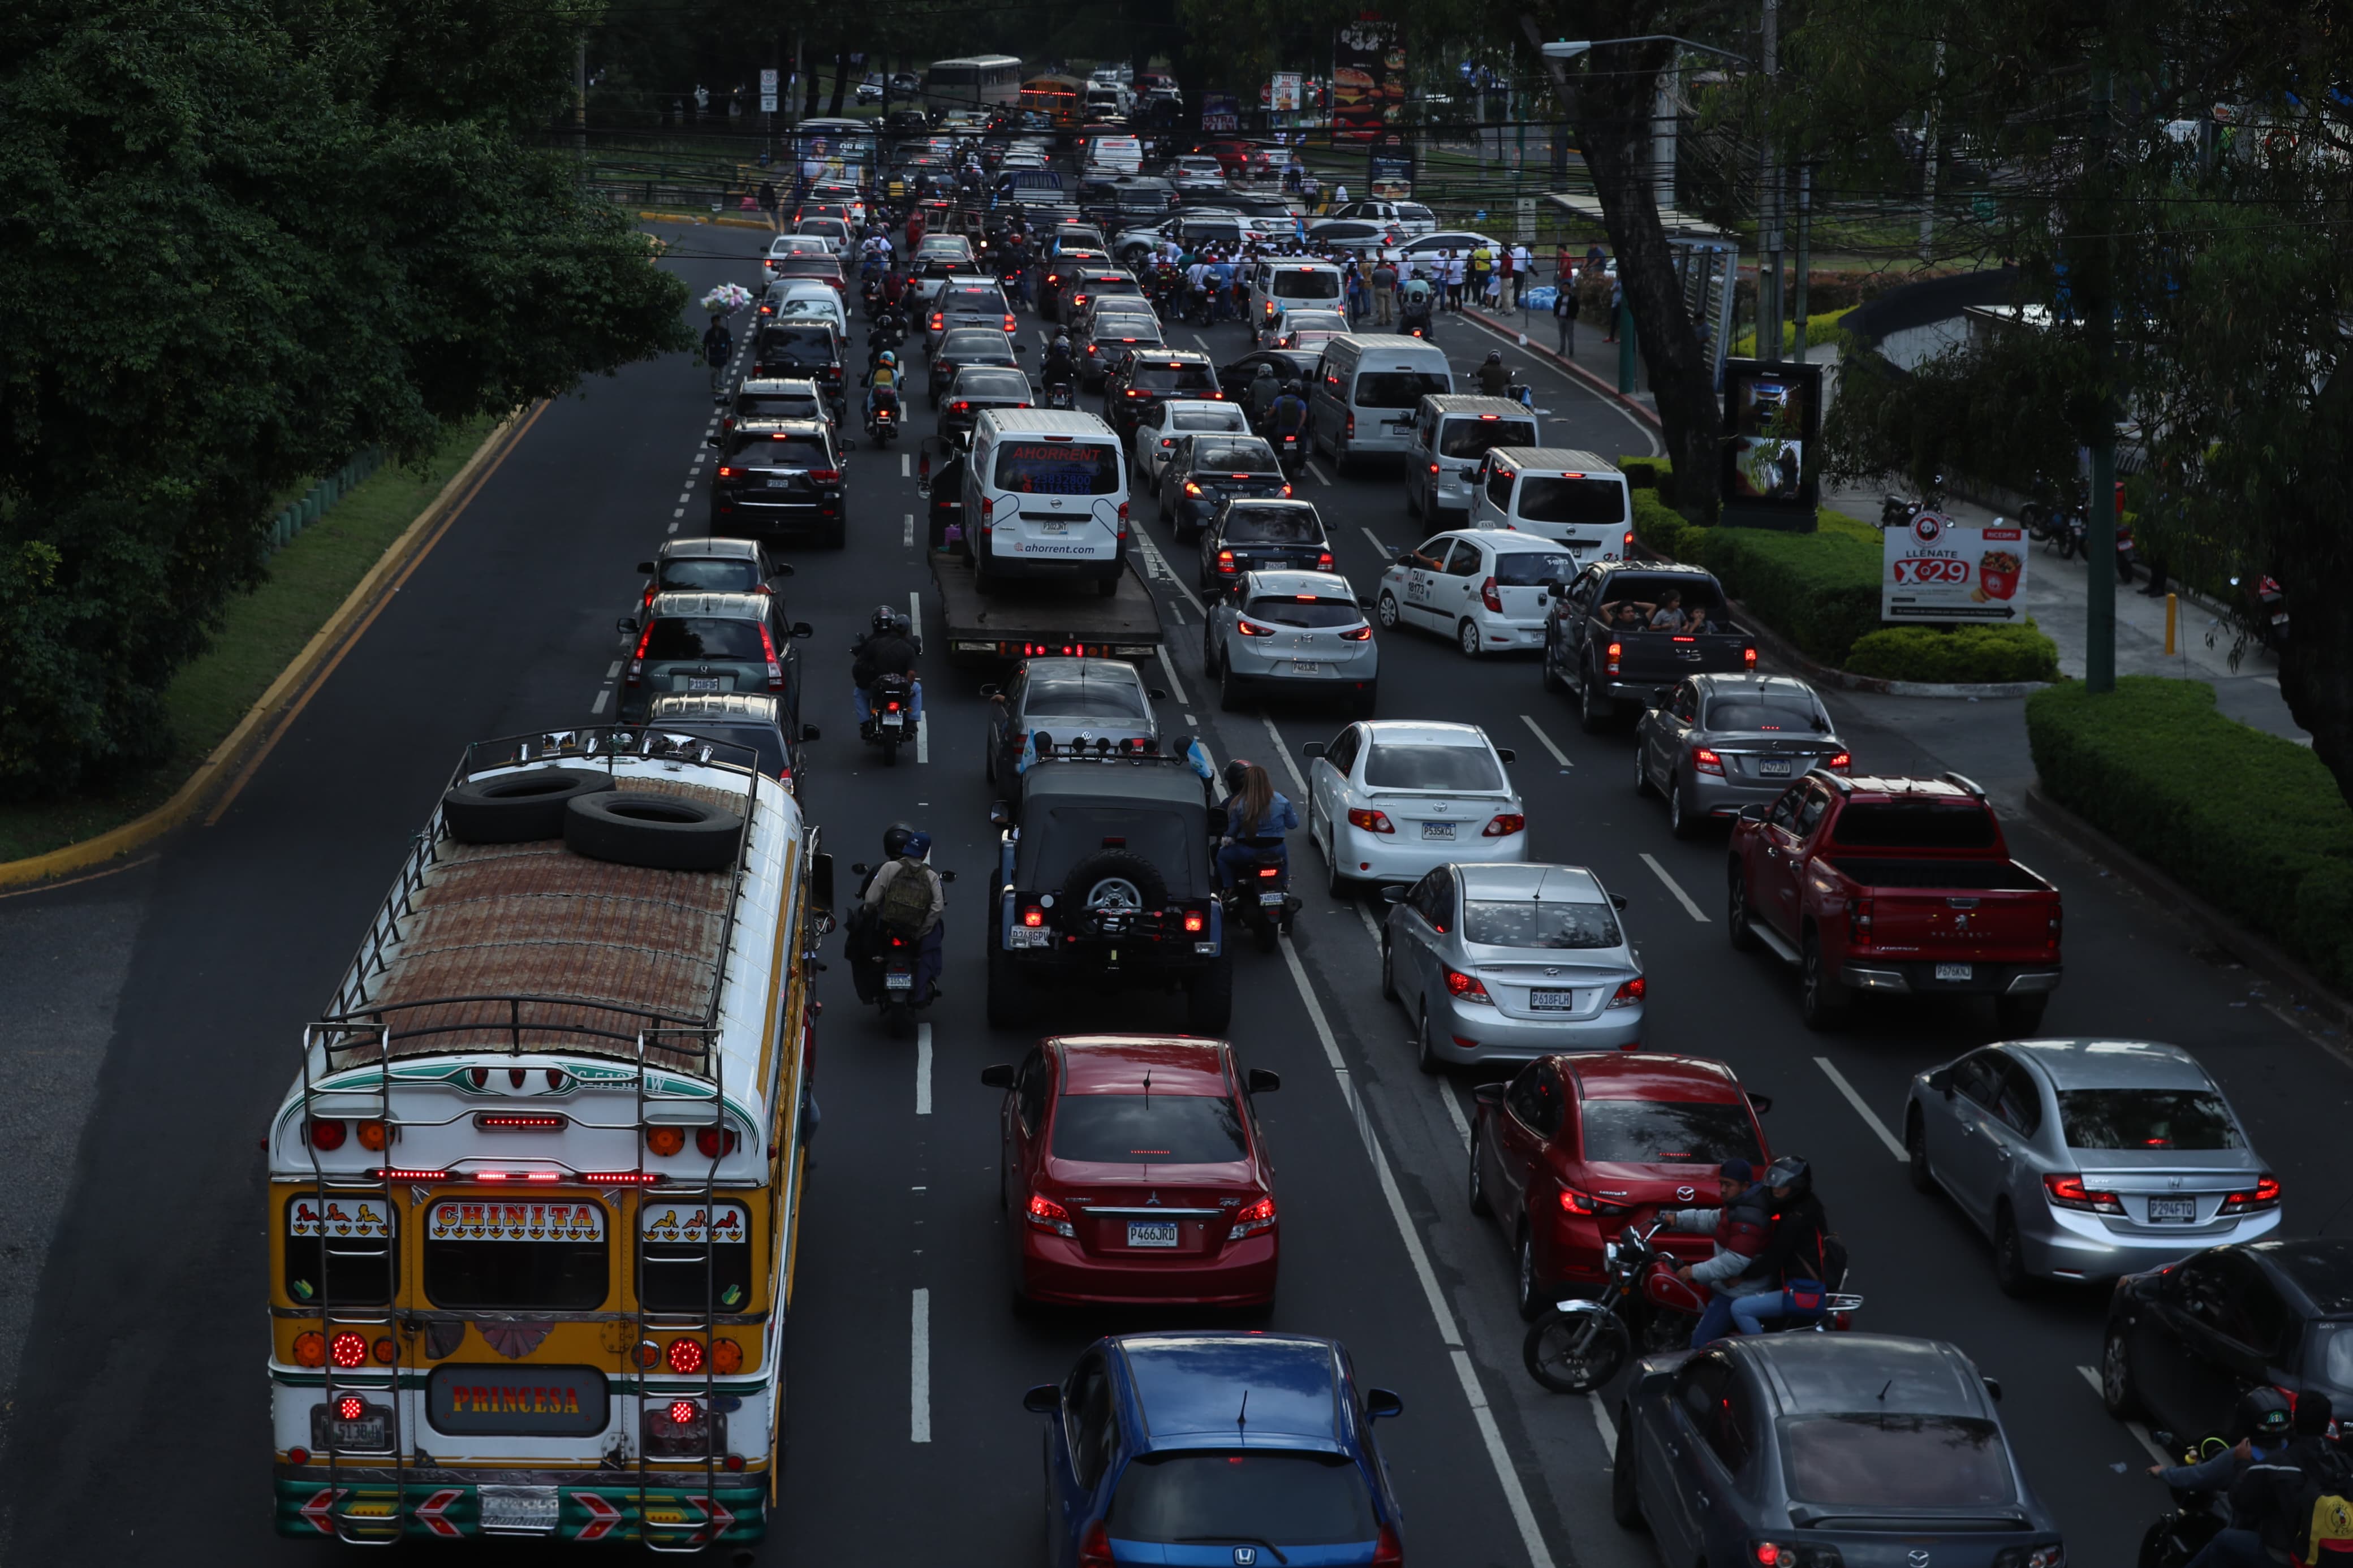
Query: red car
1576, 1147
1238, 159
1133, 1171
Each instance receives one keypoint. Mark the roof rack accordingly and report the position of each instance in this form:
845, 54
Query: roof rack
1839, 782
1963, 781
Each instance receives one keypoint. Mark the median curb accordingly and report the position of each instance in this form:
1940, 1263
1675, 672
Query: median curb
250, 730
761, 224
1633, 405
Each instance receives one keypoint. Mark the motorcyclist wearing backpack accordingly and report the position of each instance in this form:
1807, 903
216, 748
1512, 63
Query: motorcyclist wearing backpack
1264, 390
888, 648
907, 899
2275, 1497
2262, 1423
1798, 1249
1060, 365
1287, 414
1740, 1224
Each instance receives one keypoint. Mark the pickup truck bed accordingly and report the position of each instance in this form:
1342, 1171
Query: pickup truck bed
1042, 617
1954, 876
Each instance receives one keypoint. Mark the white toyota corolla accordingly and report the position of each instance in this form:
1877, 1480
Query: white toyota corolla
1391, 799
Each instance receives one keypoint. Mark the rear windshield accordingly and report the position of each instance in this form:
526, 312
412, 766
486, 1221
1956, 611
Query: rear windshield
1525, 922
1152, 1129
966, 296
514, 1256
2148, 1119
1303, 283
1122, 285
1884, 1460
1227, 418
1399, 388
711, 576
1272, 1497
774, 451
776, 405
1475, 437
797, 345
975, 344
1397, 764
1071, 696
1663, 1132
1917, 824
701, 638
1174, 378
991, 383
1288, 610
1769, 711
1236, 456
1057, 468
766, 746
1272, 525
1528, 568
1547, 497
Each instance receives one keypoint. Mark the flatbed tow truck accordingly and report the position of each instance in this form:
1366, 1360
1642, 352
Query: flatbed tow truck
1035, 620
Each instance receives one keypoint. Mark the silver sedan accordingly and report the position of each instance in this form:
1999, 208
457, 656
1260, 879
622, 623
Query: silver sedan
1717, 742
2087, 1159
1502, 962
1301, 632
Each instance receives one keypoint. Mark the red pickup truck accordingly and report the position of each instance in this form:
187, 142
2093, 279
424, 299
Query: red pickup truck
1893, 885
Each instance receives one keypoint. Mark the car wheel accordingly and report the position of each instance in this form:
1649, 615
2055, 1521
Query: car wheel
1466, 636
1625, 1502
1682, 820
1735, 911
1388, 969
1526, 1288
1229, 692
1551, 667
1475, 1184
1643, 789
2117, 1391
1339, 885
2009, 1255
1425, 1056
1916, 1152
1385, 611
1822, 996
1594, 714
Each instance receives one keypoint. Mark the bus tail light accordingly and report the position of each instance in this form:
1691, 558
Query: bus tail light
665, 1139
325, 1134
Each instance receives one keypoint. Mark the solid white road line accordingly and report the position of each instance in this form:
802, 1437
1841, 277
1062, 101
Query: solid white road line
922, 1070
1557, 754
1176, 687
1160, 569
1682, 898
1282, 750
1319, 473
1608, 1427
1862, 1108
1387, 554
907, 533
603, 694
919, 1371
2139, 1432
1515, 1496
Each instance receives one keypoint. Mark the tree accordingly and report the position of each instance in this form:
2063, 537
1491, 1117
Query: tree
246, 240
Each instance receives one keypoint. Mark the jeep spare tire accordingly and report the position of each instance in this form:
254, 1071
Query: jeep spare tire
1111, 881
516, 808
661, 832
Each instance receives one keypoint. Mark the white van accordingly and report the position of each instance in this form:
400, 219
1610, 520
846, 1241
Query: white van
1115, 155
1575, 498
1451, 433
1367, 386
1045, 495
1277, 285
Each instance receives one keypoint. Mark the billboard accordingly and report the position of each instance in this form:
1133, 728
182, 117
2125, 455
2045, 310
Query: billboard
1284, 97
1369, 83
1935, 569
1772, 419
1220, 112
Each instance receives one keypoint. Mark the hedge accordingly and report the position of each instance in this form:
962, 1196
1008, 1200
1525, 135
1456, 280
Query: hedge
2251, 823
1955, 653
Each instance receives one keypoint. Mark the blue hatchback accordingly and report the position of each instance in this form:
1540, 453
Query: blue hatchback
1216, 1450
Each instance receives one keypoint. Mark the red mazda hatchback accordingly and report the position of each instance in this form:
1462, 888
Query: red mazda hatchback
1133, 1171
1576, 1147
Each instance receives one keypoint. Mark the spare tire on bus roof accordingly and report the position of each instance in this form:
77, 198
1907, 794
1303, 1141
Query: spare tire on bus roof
518, 807
660, 832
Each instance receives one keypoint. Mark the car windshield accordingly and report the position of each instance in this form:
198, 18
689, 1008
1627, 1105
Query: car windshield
697, 636
1475, 437
2148, 1119
1409, 764
774, 451
1272, 525
992, 384
1058, 468
1178, 377
1304, 610
1152, 1129
1224, 417
776, 406
1305, 283
1767, 710
1252, 457
1064, 695
1887, 1461
1530, 922
1271, 1497
971, 347
708, 576
1548, 497
797, 345
1918, 825
1669, 1131
1529, 568
1397, 388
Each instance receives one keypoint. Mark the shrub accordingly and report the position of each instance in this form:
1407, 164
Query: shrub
2251, 823
1957, 653
1819, 590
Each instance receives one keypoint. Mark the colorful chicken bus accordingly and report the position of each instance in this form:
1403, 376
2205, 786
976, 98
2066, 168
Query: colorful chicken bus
534, 1190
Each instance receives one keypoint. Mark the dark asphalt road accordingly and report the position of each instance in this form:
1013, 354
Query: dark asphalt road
139, 1432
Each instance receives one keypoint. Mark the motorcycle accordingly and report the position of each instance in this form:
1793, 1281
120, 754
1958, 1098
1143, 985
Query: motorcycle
1061, 395
2268, 609
1415, 323
1261, 896
2196, 1517
1290, 450
1576, 1346
872, 295
883, 421
1896, 512
887, 966
891, 700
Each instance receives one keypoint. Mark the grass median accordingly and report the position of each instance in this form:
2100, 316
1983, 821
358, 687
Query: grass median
259, 636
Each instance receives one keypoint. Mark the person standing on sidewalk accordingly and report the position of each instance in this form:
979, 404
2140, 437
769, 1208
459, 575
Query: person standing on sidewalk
1564, 315
1451, 270
1506, 272
1385, 283
1522, 263
1483, 269
1616, 298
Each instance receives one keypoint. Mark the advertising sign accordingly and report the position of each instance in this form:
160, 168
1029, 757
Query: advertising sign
1369, 83
1219, 112
1772, 418
516, 1401
1390, 176
1286, 92
1935, 569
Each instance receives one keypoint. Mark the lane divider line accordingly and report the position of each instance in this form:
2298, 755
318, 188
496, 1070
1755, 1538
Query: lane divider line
603, 694
1387, 554
923, 739
1862, 1107
1609, 1428
614, 672
1557, 754
906, 465
919, 1368
922, 1070
1176, 687
1320, 474
2139, 1432
1160, 569
907, 534
1515, 1497
1682, 898
1282, 750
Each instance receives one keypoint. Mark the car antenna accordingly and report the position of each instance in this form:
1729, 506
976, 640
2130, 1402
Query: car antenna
1242, 1421
1147, 1093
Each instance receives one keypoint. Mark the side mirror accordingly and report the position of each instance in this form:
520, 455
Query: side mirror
1020, 348
1941, 1081
821, 882
1000, 815
1392, 895
1381, 1403
947, 876
997, 1075
1043, 1400
992, 690
1404, 558
810, 732
1993, 1387
1262, 1080
1507, 754
1489, 1094
1761, 1104
1159, 693
1752, 813
859, 867
803, 629
1312, 749
783, 569
1662, 695
1618, 903
711, 440
627, 625
644, 568
1365, 602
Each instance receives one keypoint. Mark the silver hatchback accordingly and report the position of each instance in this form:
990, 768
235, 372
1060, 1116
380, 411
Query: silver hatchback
1301, 632
1715, 743
2087, 1159
1100, 703
1509, 962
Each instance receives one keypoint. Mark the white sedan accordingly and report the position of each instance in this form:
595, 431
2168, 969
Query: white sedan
806, 301
1482, 587
1392, 799
1159, 425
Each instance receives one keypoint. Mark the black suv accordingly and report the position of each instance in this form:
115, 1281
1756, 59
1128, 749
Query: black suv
779, 476
1205, 471
1108, 885
1260, 533
1142, 378
798, 349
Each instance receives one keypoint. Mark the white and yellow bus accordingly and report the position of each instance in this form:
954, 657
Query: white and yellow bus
534, 1191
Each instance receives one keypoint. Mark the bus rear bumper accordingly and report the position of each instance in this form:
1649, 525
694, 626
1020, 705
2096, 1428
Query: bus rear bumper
371, 1503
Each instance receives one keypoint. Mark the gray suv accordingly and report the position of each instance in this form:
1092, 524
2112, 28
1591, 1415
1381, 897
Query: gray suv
699, 644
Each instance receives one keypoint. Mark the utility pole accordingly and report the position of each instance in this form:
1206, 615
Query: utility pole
1805, 234
2099, 502
1768, 210
580, 95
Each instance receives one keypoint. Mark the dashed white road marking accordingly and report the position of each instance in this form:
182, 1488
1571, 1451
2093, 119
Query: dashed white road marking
922, 1070
604, 694
919, 1370
1682, 898
1282, 750
907, 534
2139, 1432
1862, 1107
1557, 754
1320, 475
1386, 554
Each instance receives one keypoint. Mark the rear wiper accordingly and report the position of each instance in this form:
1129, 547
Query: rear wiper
1246, 1540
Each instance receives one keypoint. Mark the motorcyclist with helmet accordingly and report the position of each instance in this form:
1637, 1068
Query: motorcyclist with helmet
1257, 817
1493, 377
890, 647
906, 852
1287, 415
882, 387
1415, 301
1264, 390
1740, 1223
2272, 1502
1060, 365
1797, 1251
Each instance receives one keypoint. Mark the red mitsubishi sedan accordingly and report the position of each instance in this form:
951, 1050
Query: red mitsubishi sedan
1133, 1171
1576, 1147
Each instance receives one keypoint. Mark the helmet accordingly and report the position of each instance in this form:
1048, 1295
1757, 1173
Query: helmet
1494, 356
1792, 1173
897, 837
1266, 373
1290, 387
1235, 772
889, 357
2262, 1413
886, 618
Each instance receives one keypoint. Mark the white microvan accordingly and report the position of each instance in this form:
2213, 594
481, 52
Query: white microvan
1450, 434
1045, 495
1277, 285
1572, 497
1367, 386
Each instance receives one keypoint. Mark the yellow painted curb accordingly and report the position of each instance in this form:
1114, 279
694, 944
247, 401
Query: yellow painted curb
759, 223
142, 830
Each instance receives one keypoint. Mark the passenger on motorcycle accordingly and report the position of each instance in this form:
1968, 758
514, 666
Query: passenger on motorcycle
2272, 1501
890, 649
1060, 365
1740, 1226
1264, 390
883, 384
1415, 297
903, 912
1257, 817
1797, 1258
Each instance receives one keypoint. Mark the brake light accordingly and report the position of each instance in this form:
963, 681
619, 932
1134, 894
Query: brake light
713, 1142
1323, 558
1467, 988
1195, 920
1122, 520
938, 321
1611, 657
325, 1134
2266, 1196
1094, 1552
1046, 1214
1490, 597
1249, 1221
776, 664
638, 659
1034, 916
1370, 821
1749, 658
1840, 761
1574, 1201
1191, 488
1503, 825
1351, 431
727, 473
1008, 326
961, 407
1362, 634
2069, 1193
348, 1350
1629, 992
1286, 495
1706, 761
1252, 629
685, 1356
1386, 1552
1225, 563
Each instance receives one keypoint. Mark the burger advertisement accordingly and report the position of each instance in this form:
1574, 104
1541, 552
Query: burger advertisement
1367, 80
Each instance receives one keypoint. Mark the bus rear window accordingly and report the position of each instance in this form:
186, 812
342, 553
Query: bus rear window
1547, 497
494, 1256
338, 1250
671, 1254
1058, 468
1305, 283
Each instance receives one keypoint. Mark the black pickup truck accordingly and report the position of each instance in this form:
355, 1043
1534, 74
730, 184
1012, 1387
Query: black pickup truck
1620, 629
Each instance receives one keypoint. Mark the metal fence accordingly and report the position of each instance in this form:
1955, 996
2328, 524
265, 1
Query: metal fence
314, 503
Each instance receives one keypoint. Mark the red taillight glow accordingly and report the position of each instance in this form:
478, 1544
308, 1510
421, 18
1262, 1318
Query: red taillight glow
1046, 1214
1094, 1552
350, 1408
1629, 992
393, 1174
1362, 634
713, 1142
1577, 1203
1225, 563
826, 476
1748, 657
1706, 761
1323, 559
1467, 987
684, 1356
1251, 1219
1388, 1551
1252, 628
1490, 597
621, 1178
1839, 763
726, 473
1192, 488
1370, 821
776, 664
683, 1412
1611, 657
2266, 1196
517, 1119
1194, 921
2069, 1192
638, 659
326, 1134
1033, 917
1503, 825
348, 1349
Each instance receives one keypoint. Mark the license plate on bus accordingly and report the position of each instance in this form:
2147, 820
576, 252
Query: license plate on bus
1552, 1001
1437, 830
702, 683
1956, 971
898, 982
519, 1510
2173, 1208
1773, 769
1306, 666
1152, 1233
